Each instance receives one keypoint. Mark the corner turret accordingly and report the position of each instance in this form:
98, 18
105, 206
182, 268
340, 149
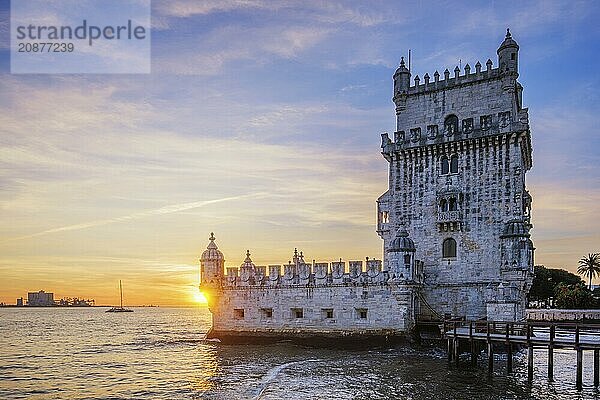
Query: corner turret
401, 79
211, 264
401, 256
508, 55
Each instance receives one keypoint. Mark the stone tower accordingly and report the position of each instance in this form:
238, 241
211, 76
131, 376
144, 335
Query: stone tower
457, 166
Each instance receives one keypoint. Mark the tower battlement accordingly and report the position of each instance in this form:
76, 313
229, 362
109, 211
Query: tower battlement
448, 82
483, 103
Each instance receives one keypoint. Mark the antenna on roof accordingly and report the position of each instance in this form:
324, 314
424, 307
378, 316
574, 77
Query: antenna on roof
409, 59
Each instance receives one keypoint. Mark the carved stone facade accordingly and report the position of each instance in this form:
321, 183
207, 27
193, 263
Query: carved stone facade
460, 189
455, 224
307, 300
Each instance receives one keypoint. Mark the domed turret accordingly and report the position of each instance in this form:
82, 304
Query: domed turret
515, 228
401, 257
212, 263
508, 55
401, 78
248, 261
212, 252
402, 242
248, 270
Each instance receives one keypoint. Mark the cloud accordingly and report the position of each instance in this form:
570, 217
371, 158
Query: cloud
225, 46
114, 156
330, 12
285, 30
188, 8
174, 208
530, 17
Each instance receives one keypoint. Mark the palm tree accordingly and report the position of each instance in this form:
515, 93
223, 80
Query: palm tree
590, 266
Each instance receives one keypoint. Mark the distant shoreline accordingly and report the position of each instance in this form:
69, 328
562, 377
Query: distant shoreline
106, 306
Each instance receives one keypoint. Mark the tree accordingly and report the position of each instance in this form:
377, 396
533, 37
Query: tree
590, 266
574, 297
546, 280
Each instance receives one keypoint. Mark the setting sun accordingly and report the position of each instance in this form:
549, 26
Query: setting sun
199, 297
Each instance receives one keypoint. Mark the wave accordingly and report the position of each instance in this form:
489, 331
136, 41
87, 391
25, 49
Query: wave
271, 375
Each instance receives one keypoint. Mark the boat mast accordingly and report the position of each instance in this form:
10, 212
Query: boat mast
121, 290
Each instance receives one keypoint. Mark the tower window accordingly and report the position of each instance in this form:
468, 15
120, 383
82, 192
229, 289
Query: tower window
513, 56
443, 205
415, 134
327, 313
485, 121
432, 131
238, 313
361, 313
267, 313
451, 125
449, 248
297, 313
452, 204
407, 260
445, 165
454, 164
385, 217
467, 125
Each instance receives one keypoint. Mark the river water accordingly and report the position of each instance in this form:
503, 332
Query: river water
159, 353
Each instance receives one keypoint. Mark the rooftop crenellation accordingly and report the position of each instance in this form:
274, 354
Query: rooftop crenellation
507, 66
458, 79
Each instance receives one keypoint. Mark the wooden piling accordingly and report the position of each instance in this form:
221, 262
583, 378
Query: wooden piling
472, 344
509, 356
490, 352
529, 355
579, 377
596, 367
512, 334
551, 354
456, 351
474, 354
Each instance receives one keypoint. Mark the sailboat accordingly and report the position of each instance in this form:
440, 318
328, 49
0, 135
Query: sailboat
120, 308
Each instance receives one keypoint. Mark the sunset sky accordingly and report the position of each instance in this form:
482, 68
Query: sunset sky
261, 121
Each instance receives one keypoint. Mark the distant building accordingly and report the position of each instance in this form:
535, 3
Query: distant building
40, 299
75, 302
20, 302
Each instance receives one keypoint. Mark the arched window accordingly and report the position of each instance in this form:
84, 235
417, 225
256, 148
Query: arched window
449, 248
452, 204
407, 259
451, 124
443, 205
454, 164
445, 165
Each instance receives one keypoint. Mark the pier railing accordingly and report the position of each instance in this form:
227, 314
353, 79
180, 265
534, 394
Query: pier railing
577, 336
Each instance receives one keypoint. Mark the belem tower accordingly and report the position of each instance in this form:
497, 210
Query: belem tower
455, 225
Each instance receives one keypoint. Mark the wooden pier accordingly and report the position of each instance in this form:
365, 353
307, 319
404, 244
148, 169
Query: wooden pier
472, 335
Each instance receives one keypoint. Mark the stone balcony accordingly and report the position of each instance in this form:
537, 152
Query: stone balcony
449, 221
448, 216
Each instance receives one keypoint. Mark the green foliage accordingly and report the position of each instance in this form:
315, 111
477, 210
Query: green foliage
573, 296
590, 266
546, 280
